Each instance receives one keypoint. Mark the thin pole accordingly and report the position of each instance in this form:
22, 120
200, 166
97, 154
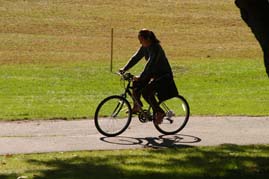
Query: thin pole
111, 52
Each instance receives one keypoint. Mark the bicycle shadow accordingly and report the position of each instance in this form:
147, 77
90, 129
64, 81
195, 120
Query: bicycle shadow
163, 141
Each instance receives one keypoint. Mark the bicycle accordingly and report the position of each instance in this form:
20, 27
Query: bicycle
113, 115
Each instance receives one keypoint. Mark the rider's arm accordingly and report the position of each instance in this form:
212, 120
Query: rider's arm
150, 68
157, 64
135, 58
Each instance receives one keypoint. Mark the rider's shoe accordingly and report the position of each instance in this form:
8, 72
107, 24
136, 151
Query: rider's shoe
159, 118
135, 110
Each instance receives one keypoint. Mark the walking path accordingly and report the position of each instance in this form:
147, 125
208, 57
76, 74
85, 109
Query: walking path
54, 136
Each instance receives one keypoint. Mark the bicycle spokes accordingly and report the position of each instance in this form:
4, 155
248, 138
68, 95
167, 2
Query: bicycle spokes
176, 115
117, 109
113, 115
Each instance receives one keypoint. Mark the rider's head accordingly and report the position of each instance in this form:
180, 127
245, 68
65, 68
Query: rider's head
147, 37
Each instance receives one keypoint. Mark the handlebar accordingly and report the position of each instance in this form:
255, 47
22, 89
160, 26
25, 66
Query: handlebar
126, 76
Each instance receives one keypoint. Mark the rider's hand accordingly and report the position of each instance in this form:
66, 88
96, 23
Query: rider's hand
136, 78
121, 71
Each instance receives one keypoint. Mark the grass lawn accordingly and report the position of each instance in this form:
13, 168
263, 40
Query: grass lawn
55, 55
73, 90
226, 161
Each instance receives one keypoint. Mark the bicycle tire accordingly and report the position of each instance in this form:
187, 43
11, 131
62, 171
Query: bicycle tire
179, 114
113, 116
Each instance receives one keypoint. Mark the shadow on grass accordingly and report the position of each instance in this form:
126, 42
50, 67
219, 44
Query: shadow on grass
223, 162
8, 176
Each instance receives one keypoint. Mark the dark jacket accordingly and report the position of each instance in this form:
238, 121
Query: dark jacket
157, 67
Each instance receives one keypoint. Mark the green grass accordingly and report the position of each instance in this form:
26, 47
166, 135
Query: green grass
225, 87
73, 90
226, 161
38, 91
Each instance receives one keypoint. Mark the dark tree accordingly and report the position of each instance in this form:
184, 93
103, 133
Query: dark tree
256, 15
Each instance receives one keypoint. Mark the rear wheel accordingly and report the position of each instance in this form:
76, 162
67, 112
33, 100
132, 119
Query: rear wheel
113, 116
177, 113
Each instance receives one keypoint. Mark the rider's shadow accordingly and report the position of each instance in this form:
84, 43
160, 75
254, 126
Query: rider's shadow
163, 141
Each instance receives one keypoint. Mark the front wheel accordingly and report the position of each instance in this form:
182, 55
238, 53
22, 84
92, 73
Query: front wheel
177, 113
113, 116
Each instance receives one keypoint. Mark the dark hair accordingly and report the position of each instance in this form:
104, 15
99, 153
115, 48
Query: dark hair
148, 35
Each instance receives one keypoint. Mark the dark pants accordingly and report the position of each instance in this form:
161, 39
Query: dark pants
147, 89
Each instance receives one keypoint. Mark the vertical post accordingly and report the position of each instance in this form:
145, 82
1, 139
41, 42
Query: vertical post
111, 52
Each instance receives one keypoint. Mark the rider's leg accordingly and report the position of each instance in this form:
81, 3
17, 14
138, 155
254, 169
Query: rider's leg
149, 95
137, 88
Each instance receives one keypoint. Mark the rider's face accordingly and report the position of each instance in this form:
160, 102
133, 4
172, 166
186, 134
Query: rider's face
143, 42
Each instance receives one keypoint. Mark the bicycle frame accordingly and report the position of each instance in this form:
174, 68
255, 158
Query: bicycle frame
127, 91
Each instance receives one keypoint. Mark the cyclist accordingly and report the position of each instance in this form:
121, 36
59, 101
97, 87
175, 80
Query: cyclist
157, 76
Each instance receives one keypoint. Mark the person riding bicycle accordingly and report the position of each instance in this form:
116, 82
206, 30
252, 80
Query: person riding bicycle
156, 78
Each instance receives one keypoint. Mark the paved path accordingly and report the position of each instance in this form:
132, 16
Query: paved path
55, 136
